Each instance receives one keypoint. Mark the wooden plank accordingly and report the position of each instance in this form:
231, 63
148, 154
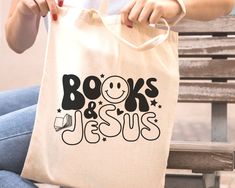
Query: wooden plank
219, 122
204, 162
203, 157
211, 180
179, 181
221, 25
207, 69
198, 46
207, 92
202, 146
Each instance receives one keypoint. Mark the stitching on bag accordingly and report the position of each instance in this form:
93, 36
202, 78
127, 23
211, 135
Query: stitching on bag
16, 135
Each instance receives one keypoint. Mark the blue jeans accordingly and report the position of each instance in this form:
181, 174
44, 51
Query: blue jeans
17, 114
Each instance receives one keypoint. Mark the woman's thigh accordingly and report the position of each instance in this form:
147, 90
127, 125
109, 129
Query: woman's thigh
15, 134
13, 100
12, 180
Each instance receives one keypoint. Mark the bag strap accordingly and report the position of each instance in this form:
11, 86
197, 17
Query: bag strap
103, 9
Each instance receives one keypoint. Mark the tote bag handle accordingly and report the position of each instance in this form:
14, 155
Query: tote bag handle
146, 45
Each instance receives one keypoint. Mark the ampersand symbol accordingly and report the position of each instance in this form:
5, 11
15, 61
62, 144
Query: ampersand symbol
89, 112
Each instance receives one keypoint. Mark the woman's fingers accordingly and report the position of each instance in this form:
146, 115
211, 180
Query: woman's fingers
60, 3
135, 11
40, 7
155, 17
146, 13
53, 9
125, 13
142, 11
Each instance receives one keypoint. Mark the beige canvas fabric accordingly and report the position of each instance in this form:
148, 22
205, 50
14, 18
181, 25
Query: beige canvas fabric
106, 106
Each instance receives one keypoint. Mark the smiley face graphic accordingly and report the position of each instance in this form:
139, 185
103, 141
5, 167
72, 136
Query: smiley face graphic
115, 89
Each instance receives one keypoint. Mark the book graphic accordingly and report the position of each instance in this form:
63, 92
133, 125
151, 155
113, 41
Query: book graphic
62, 122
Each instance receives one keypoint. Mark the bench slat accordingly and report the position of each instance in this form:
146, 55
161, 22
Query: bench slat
201, 157
201, 161
202, 146
221, 25
206, 46
207, 69
207, 92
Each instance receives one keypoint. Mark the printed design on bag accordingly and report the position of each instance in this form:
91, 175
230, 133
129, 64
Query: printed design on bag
115, 89
99, 109
62, 122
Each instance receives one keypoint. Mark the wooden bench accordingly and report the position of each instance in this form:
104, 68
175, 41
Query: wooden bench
207, 66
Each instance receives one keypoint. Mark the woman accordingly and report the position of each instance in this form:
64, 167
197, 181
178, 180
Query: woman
18, 107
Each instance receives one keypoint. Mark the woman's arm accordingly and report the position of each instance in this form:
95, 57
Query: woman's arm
23, 21
207, 9
150, 11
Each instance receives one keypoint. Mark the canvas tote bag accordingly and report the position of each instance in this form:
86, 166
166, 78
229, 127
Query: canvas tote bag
107, 104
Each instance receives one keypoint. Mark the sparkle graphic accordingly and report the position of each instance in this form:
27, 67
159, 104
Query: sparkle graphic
100, 103
153, 102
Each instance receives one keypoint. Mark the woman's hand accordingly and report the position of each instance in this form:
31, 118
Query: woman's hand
39, 7
149, 11
23, 21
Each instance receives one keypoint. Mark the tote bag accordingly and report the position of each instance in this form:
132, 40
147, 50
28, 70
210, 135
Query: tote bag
107, 103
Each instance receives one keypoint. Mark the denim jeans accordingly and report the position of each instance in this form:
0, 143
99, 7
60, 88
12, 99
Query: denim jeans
17, 114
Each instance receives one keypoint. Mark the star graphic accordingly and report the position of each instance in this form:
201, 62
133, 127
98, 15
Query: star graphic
102, 75
153, 102
155, 120
159, 106
100, 103
104, 139
59, 110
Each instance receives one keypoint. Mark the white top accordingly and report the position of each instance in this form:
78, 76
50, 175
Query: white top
114, 5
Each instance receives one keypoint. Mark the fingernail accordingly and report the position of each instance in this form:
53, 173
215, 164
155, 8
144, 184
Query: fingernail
54, 17
61, 3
